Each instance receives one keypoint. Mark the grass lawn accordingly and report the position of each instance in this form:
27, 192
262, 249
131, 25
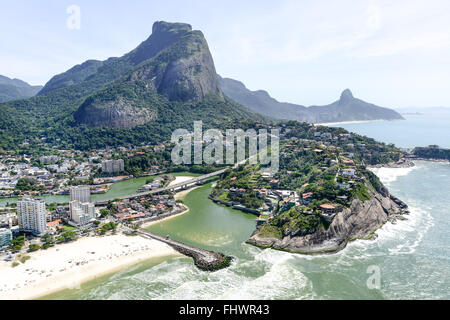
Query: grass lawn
68, 228
223, 196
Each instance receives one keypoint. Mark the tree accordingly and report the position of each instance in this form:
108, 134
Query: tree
67, 236
17, 243
34, 247
104, 213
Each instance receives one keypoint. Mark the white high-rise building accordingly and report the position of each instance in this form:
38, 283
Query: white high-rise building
113, 166
5, 237
80, 193
82, 212
32, 216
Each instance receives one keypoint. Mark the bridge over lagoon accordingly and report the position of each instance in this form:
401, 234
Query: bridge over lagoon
172, 188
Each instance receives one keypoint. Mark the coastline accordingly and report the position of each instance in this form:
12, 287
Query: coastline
69, 265
363, 218
178, 196
81, 261
349, 122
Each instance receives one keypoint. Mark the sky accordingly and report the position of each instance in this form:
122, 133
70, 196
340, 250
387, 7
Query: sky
392, 53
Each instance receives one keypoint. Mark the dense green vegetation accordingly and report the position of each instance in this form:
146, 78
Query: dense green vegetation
67, 236
432, 152
50, 117
17, 243
244, 177
292, 222
28, 185
34, 247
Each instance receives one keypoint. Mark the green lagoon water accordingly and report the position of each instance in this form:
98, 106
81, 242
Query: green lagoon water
122, 188
413, 256
118, 189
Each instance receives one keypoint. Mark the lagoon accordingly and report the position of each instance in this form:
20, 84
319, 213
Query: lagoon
413, 256
118, 189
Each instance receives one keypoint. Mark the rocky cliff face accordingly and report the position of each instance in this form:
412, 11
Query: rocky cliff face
357, 222
114, 114
182, 70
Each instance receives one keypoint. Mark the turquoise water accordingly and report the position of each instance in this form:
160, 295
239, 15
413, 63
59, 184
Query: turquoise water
415, 131
413, 256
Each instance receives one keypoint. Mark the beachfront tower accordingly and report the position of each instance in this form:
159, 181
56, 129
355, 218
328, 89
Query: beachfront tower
32, 216
5, 237
82, 210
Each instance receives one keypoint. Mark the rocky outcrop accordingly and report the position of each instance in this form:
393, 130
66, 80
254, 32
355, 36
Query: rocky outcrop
179, 67
164, 34
114, 114
360, 221
183, 72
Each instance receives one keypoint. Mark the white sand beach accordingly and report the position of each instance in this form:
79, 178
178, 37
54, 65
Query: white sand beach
180, 195
180, 179
347, 122
69, 265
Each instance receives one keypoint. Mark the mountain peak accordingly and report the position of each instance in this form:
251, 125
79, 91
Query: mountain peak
169, 27
164, 34
346, 96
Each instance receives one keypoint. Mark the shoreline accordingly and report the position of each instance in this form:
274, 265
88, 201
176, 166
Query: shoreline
432, 160
396, 210
69, 265
86, 259
178, 196
350, 122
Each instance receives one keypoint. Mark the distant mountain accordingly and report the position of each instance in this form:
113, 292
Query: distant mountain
166, 83
75, 75
347, 108
13, 89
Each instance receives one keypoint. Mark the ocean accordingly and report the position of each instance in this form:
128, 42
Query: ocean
408, 259
415, 131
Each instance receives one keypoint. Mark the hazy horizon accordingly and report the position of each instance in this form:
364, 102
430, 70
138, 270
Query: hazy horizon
394, 55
